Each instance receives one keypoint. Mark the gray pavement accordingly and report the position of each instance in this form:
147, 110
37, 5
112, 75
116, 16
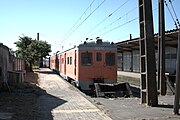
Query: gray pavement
131, 109
63, 101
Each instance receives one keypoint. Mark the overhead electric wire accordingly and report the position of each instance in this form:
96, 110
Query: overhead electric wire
171, 14
114, 21
119, 26
83, 20
106, 18
79, 19
174, 12
128, 34
120, 6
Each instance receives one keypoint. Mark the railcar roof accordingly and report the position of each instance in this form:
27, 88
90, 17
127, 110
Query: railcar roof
90, 44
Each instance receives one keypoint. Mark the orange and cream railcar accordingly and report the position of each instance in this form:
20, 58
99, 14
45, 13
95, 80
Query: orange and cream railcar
52, 62
88, 63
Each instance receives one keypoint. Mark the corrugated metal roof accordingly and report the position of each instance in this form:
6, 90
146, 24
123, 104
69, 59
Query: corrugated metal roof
171, 37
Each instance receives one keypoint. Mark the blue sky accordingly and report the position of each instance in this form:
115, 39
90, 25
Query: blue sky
54, 19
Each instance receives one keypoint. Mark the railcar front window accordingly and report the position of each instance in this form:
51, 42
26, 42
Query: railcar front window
110, 59
86, 58
98, 56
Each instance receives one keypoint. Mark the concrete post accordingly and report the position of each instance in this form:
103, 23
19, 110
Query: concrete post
161, 49
37, 36
177, 90
147, 54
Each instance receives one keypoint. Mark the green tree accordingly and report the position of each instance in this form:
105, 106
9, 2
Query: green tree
31, 50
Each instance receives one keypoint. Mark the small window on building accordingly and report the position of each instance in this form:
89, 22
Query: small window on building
98, 56
86, 58
110, 59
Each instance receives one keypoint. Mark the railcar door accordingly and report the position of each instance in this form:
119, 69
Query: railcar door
56, 63
75, 62
60, 64
65, 64
98, 63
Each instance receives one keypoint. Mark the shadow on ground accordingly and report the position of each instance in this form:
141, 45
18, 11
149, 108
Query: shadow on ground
28, 101
47, 72
165, 106
135, 91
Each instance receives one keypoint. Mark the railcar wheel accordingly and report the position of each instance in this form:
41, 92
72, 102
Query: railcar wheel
69, 80
73, 83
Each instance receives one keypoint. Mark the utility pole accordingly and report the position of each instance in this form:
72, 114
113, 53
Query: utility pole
130, 37
37, 36
177, 90
41, 58
161, 49
147, 54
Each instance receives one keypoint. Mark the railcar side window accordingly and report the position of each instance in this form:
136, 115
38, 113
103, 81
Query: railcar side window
98, 56
86, 58
70, 61
67, 60
52, 61
110, 59
62, 60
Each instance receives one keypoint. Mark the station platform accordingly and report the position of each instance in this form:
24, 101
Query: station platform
64, 102
59, 100
129, 74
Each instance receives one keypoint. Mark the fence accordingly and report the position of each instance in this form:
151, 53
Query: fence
12, 69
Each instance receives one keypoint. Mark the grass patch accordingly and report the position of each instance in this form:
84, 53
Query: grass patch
35, 67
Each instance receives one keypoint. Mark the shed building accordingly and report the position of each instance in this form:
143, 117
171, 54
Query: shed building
129, 56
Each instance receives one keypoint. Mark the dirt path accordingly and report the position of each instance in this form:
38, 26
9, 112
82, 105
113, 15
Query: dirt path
20, 103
